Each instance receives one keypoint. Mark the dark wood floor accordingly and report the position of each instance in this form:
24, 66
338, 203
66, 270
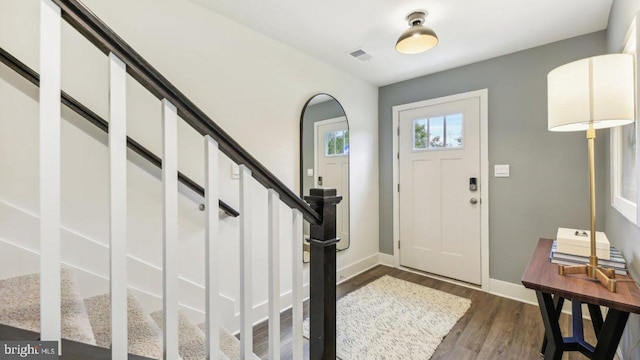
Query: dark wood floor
493, 328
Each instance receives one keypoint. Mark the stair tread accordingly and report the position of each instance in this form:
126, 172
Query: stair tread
144, 336
229, 344
20, 306
193, 342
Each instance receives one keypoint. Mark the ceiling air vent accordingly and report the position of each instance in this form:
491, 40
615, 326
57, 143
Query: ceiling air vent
361, 55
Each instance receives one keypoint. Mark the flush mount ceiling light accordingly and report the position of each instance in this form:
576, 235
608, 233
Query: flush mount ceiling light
417, 38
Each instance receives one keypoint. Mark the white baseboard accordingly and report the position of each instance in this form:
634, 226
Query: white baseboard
512, 291
347, 272
387, 260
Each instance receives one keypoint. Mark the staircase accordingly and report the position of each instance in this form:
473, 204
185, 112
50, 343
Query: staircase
88, 320
51, 305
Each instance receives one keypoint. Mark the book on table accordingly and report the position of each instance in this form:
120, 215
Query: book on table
615, 262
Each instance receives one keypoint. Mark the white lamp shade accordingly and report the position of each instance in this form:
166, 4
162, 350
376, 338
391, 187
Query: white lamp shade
598, 90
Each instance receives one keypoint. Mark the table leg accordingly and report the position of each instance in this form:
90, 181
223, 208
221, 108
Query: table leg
576, 320
596, 318
554, 348
558, 302
610, 334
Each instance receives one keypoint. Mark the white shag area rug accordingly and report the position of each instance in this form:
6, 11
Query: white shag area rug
394, 319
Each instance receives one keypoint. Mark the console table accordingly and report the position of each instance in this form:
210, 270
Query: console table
552, 289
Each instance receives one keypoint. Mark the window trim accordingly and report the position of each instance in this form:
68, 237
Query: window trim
625, 207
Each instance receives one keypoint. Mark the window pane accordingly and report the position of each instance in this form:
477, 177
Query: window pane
420, 134
454, 131
628, 186
330, 142
339, 135
436, 132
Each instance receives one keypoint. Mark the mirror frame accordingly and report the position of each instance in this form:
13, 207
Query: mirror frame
301, 154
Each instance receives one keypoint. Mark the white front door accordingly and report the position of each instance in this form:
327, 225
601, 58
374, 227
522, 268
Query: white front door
439, 158
332, 159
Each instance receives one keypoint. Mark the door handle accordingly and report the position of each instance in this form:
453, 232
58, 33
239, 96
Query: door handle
473, 201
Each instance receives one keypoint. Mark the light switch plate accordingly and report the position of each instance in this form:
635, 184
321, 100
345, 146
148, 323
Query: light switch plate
309, 172
501, 171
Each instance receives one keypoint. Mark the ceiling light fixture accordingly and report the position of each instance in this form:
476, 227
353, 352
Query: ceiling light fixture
417, 38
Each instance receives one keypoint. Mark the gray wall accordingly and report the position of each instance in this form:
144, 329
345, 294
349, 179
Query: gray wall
622, 233
622, 12
548, 187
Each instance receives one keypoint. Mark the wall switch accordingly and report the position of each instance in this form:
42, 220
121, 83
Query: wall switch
235, 171
501, 171
309, 172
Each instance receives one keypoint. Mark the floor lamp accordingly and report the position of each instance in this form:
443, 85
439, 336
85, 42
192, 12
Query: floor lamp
586, 95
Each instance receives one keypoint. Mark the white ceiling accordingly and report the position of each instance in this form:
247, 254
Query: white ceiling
469, 30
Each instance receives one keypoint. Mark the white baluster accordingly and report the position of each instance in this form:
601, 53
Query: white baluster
246, 299
170, 221
274, 275
118, 205
297, 286
212, 268
50, 44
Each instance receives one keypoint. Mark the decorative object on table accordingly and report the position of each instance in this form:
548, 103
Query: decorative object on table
589, 94
394, 319
616, 260
577, 242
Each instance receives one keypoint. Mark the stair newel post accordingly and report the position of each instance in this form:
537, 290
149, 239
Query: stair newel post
323, 242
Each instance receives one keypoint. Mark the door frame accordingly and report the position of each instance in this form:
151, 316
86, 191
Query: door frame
316, 125
484, 173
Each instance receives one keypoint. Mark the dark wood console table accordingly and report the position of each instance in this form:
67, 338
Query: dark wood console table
552, 289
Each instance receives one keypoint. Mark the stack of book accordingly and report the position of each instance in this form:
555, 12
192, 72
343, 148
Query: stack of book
616, 262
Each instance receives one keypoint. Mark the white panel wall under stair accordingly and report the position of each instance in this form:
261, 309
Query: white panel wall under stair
85, 219
240, 92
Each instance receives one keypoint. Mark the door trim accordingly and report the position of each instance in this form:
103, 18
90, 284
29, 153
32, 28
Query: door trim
316, 125
484, 174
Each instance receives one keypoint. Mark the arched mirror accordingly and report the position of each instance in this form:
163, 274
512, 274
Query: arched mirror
324, 158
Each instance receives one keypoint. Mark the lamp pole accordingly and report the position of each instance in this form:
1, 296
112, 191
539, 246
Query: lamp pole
593, 259
592, 270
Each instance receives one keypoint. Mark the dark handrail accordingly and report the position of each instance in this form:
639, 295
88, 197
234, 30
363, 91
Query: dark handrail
105, 39
73, 104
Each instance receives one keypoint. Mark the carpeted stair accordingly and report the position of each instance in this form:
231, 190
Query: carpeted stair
145, 338
20, 306
192, 340
229, 344
89, 320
